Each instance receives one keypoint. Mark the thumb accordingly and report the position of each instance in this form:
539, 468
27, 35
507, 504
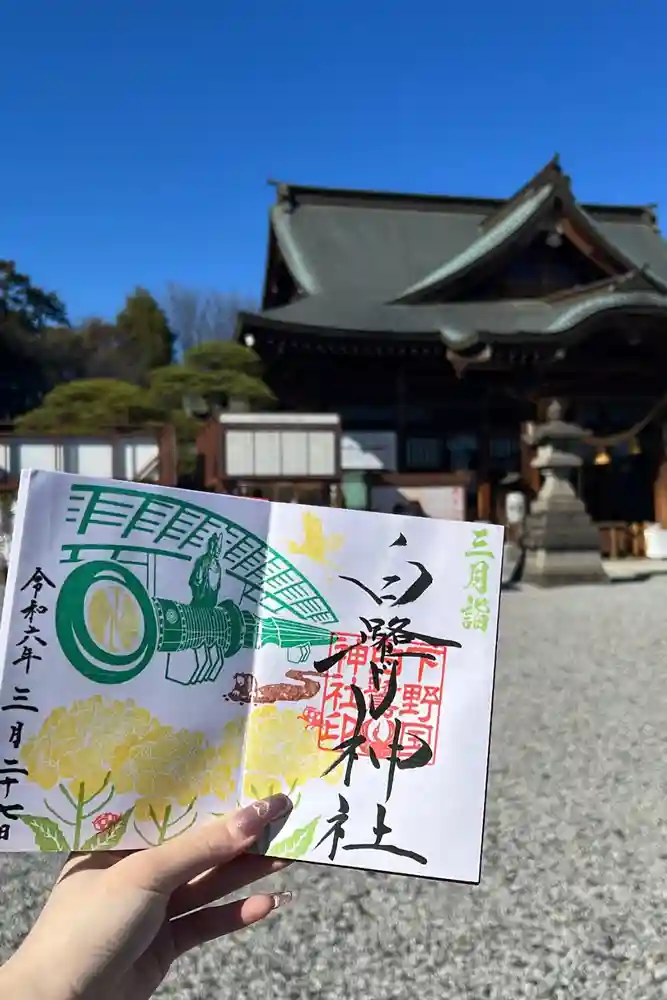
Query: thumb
163, 869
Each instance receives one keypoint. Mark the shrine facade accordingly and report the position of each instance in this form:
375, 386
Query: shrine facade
439, 328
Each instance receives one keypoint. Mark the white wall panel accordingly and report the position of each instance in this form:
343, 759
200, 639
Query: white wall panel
38, 456
321, 453
95, 460
239, 457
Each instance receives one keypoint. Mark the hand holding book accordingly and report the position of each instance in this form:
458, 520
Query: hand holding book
116, 921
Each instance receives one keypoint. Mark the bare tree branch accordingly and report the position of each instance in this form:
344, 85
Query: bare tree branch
198, 316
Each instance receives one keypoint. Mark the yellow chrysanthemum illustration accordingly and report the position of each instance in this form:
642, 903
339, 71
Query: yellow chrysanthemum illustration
76, 743
97, 741
281, 753
165, 767
224, 769
97, 749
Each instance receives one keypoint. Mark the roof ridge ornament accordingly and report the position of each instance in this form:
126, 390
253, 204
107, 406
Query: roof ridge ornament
550, 174
284, 194
651, 210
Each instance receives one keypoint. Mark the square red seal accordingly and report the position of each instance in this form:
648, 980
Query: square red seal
420, 675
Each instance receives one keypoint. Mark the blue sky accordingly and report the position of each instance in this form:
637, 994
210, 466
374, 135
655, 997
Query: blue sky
138, 135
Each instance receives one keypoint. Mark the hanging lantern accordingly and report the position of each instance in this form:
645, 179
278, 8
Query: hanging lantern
634, 447
602, 457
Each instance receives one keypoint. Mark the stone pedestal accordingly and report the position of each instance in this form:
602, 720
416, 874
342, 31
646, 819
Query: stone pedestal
562, 543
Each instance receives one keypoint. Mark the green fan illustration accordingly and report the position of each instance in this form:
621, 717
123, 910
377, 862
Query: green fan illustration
110, 625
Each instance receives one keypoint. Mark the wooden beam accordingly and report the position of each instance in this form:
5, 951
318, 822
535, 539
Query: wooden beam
585, 245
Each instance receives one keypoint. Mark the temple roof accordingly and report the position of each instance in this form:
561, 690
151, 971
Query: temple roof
459, 324
365, 261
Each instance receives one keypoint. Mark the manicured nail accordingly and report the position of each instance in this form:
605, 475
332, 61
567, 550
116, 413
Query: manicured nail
254, 818
278, 864
281, 899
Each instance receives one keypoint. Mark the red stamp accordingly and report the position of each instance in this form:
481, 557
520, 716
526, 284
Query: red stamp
420, 676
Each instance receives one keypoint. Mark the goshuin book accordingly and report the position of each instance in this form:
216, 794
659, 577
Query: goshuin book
169, 655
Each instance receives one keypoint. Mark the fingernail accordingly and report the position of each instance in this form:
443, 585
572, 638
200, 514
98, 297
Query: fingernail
254, 818
278, 864
281, 899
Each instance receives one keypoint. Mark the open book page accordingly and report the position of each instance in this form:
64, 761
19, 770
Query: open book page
381, 731
168, 654
119, 631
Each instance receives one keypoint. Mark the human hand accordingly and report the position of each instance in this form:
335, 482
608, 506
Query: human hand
116, 921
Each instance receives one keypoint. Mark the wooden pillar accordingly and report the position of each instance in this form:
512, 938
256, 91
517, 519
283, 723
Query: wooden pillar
208, 447
483, 481
660, 492
168, 456
484, 501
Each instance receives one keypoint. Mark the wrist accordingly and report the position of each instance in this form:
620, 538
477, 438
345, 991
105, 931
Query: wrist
21, 981
13, 982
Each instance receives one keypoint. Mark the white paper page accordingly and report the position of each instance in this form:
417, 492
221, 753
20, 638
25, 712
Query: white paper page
390, 580
162, 663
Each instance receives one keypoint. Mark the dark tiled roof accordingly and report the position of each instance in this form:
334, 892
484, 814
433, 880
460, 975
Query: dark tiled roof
459, 324
378, 247
640, 243
375, 253
355, 254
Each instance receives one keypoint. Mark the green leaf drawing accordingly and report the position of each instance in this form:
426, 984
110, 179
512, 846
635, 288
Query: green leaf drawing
107, 839
298, 843
48, 835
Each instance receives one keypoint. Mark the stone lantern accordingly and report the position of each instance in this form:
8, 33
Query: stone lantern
562, 543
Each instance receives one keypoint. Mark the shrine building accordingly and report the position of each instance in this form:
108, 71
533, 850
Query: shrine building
439, 327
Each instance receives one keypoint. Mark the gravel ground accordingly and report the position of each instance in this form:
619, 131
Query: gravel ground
572, 900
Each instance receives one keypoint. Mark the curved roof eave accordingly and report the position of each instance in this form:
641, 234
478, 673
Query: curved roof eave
582, 311
567, 320
254, 321
460, 327
485, 244
289, 247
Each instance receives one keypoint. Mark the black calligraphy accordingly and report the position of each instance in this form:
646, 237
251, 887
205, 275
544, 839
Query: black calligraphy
385, 635
381, 829
336, 829
389, 641
30, 648
349, 748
